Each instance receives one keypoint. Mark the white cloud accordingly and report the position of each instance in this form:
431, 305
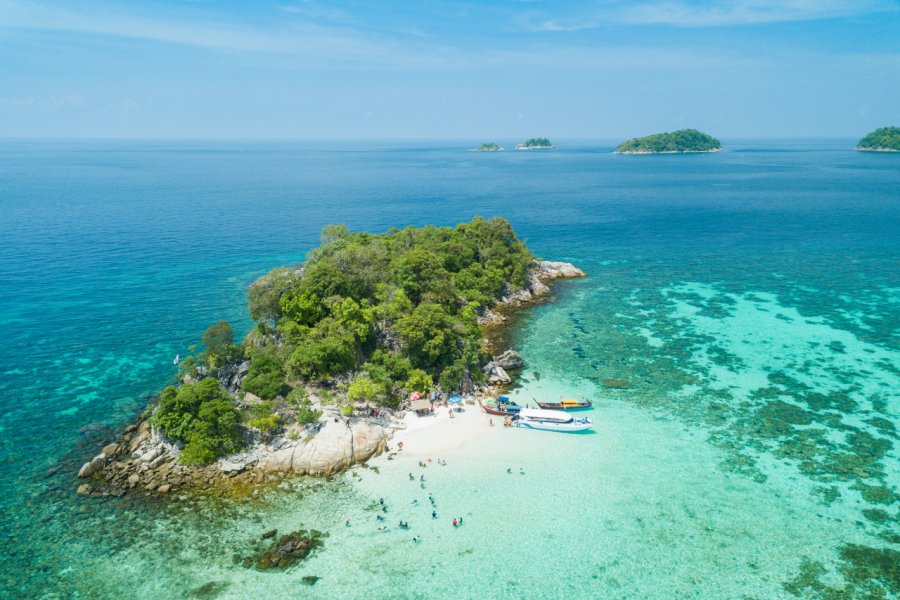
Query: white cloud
682, 13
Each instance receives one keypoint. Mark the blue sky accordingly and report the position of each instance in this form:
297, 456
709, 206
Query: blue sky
447, 69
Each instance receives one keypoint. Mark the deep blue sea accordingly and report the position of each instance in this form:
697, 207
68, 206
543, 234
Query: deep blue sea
751, 297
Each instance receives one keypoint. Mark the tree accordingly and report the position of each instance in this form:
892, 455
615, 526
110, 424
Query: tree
218, 337
265, 378
363, 388
327, 349
418, 381
203, 417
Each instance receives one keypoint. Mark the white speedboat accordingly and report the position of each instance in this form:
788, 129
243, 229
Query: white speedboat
551, 420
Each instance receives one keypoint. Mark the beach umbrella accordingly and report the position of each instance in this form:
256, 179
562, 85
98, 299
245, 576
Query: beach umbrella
454, 400
415, 396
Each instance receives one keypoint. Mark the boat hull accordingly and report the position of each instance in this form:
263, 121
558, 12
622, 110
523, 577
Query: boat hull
499, 413
564, 427
566, 407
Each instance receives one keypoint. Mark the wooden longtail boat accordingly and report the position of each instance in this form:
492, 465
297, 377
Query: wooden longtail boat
504, 409
566, 405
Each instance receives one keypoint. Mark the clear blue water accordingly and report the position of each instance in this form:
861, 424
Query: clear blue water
751, 297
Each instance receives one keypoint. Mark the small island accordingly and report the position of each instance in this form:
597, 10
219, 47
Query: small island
884, 139
676, 142
489, 147
538, 143
343, 345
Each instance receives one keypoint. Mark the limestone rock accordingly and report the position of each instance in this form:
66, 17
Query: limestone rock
231, 467
111, 449
94, 466
490, 318
549, 270
498, 375
508, 360
84, 489
334, 448
164, 488
133, 478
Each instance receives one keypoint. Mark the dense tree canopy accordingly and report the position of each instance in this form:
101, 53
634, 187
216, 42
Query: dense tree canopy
367, 302
202, 416
885, 138
377, 316
683, 140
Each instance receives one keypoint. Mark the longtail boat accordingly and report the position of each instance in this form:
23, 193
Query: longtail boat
568, 404
506, 408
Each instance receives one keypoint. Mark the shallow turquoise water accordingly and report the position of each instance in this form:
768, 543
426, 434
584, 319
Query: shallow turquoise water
750, 298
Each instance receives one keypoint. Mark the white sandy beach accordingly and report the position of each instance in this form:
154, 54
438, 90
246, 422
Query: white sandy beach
437, 435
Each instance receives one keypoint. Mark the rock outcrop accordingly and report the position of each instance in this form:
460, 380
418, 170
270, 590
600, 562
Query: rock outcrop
543, 273
337, 446
145, 462
508, 360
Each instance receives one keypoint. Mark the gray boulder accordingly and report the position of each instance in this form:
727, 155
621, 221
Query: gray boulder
508, 360
95, 465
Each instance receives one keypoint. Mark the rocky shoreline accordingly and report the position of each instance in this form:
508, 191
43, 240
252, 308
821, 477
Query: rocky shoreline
142, 460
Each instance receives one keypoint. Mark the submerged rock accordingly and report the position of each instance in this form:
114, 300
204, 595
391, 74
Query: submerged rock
286, 551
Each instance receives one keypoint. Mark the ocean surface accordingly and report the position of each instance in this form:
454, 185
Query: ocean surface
750, 299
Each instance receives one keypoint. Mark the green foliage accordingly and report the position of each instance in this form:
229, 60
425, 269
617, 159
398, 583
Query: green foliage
326, 349
264, 296
683, 140
391, 303
263, 417
265, 377
418, 381
363, 388
203, 417
489, 147
537, 142
297, 397
884, 138
299, 400
218, 337
346, 410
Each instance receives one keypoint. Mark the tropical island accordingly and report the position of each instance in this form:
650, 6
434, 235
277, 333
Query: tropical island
341, 345
884, 139
676, 142
489, 147
538, 143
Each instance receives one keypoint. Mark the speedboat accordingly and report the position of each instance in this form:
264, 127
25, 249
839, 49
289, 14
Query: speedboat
567, 404
550, 420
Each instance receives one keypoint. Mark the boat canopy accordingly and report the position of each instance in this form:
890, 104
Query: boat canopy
542, 414
503, 399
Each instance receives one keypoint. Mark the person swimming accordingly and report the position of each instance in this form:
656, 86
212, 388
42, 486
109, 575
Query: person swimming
411, 478
434, 514
454, 523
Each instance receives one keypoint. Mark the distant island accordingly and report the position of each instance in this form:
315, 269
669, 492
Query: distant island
489, 147
683, 140
539, 143
884, 139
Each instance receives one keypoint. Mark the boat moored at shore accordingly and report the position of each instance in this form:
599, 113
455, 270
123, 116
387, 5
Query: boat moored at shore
566, 404
504, 407
550, 420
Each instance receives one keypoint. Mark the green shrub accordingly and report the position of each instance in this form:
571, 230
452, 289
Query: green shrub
203, 417
265, 377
